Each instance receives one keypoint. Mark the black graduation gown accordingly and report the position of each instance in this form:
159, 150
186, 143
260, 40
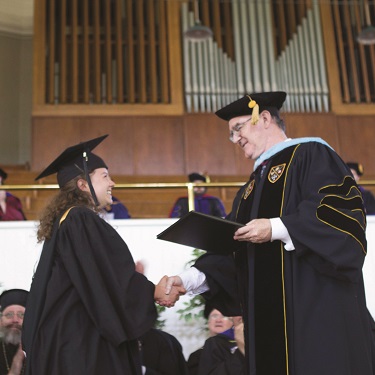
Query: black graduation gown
304, 310
162, 354
87, 305
7, 353
220, 356
368, 201
193, 361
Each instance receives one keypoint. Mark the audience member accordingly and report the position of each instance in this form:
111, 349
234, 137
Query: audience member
203, 202
367, 195
217, 324
116, 210
224, 353
12, 310
87, 305
10, 205
297, 265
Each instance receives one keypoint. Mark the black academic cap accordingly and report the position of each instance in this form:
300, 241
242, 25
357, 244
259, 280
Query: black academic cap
208, 307
13, 297
3, 174
70, 163
271, 101
356, 166
196, 177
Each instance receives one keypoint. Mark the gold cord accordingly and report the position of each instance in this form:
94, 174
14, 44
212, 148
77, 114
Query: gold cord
5, 357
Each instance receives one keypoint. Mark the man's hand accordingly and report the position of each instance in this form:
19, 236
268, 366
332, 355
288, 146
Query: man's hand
173, 281
256, 231
239, 334
17, 363
166, 294
140, 267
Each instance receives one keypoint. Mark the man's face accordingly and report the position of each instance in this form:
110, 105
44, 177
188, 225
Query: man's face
199, 190
11, 324
355, 175
251, 138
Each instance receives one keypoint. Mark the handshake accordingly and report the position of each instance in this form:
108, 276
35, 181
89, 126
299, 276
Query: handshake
168, 291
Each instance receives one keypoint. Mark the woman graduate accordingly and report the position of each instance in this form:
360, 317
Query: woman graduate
87, 304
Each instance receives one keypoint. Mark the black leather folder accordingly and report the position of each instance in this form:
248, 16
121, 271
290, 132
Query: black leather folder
203, 232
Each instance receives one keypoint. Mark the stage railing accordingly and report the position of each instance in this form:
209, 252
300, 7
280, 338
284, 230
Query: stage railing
165, 185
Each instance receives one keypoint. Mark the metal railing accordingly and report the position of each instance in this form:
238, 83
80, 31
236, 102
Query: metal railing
165, 185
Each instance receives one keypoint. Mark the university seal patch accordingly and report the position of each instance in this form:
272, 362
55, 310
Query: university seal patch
249, 189
276, 172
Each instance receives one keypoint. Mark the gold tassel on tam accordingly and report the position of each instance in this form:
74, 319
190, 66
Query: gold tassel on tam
255, 113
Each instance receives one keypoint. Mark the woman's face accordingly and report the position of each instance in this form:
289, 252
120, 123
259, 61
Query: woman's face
102, 184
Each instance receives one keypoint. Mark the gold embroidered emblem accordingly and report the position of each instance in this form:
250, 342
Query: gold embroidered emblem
276, 172
249, 189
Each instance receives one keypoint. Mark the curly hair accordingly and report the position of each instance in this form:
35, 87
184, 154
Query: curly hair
69, 195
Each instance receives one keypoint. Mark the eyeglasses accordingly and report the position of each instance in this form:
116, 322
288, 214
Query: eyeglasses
10, 315
236, 130
218, 316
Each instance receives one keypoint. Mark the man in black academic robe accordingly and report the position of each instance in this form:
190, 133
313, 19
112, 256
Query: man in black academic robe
306, 307
300, 283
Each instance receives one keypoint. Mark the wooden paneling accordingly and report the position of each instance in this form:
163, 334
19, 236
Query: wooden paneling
158, 145
207, 146
177, 145
356, 137
313, 125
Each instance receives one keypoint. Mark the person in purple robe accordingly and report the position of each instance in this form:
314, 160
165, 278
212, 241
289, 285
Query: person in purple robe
204, 203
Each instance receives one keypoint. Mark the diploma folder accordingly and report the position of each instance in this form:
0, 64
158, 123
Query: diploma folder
204, 232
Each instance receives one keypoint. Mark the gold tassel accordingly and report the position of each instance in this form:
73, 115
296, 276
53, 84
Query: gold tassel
255, 113
360, 168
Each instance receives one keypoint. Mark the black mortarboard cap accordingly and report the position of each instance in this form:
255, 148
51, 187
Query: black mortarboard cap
356, 166
13, 297
196, 177
257, 102
3, 174
70, 163
208, 307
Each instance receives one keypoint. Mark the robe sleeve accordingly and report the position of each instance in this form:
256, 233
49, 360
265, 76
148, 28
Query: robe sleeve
324, 213
219, 208
221, 278
180, 208
118, 299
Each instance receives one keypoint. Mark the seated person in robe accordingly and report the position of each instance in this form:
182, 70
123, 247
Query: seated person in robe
10, 205
204, 203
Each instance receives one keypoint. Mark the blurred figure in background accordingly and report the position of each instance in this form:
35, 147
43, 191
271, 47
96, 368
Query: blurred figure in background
368, 197
12, 310
218, 354
10, 206
204, 203
116, 210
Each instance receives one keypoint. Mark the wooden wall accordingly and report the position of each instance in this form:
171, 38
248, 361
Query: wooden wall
176, 145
